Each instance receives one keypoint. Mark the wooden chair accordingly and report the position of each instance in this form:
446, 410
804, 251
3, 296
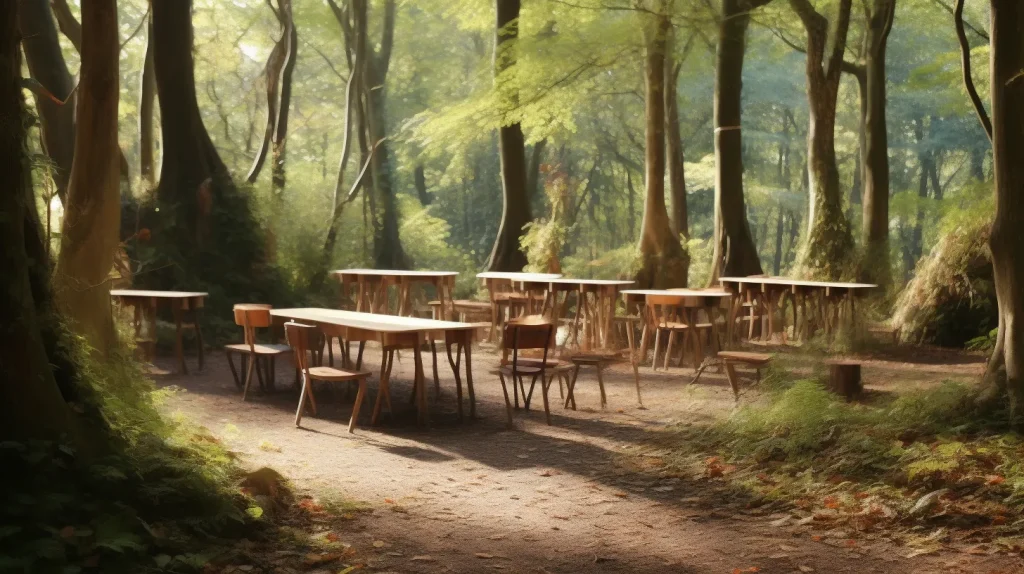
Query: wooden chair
664, 314
596, 360
732, 358
529, 333
299, 337
255, 356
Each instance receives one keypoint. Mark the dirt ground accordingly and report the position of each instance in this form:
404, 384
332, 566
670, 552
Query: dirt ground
476, 497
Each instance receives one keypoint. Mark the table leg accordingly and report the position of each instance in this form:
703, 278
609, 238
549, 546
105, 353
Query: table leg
178, 343
382, 390
455, 369
421, 387
468, 349
199, 336
634, 360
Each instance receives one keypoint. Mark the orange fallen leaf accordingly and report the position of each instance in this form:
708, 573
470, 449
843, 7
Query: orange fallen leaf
389, 501
816, 538
997, 520
994, 479
851, 543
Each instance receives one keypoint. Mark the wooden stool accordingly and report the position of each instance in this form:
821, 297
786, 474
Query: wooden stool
299, 337
731, 358
596, 361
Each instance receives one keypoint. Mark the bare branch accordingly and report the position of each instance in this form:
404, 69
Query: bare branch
952, 11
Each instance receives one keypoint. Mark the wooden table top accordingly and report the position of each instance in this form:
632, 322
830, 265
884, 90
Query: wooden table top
516, 276
161, 294
795, 282
369, 321
681, 293
596, 282
394, 273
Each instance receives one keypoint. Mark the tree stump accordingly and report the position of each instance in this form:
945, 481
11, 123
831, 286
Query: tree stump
844, 379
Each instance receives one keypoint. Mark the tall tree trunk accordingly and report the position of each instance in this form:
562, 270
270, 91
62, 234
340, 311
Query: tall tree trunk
46, 65
875, 265
663, 262
779, 228
205, 227
31, 402
507, 254
734, 251
924, 162
1007, 241
674, 148
828, 244
147, 101
420, 182
533, 185
89, 234
278, 74
631, 203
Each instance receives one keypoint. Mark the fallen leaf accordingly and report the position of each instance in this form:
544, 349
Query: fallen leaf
389, 501
317, 559
805, 568
994, 479
816, 538
851, 543
378, 544
332, 537
780, 522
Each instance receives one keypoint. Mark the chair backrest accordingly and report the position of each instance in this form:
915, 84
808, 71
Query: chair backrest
299, 337
529, 332
252, 316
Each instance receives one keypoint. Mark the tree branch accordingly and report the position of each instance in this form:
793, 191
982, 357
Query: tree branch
67, 22
965, 59
952, 11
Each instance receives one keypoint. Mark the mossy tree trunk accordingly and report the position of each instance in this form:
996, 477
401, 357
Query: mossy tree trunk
32, 405
734, 250
92, 215
674, 141
47, 66
1006, 241
205, 230
663, 262
828, 245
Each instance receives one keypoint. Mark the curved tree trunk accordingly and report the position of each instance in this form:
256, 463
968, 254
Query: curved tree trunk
875, 265
205, 227
147, 101
46, 65
828, 244
1007, 241
734, 252
31, 403
663, 262
89, 235
507, 254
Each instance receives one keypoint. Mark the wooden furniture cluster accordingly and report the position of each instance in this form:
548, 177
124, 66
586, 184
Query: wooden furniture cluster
184, 305
370, 289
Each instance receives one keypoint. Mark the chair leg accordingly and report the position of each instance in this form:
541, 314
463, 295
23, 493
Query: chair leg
248, 376
657, 347
330, 350
234, 373
730, 372
437, 381
561, 387
671, 343
359, 356
529, 397
545, 384
355, 408
600, 384
515, 390
254, 360
508, 404
570, 398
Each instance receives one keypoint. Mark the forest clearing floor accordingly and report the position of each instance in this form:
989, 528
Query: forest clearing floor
581, 495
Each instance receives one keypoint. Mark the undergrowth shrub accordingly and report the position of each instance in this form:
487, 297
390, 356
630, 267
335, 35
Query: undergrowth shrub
153, 496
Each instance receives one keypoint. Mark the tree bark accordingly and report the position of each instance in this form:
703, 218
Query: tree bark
734, 250
828, 245
875, 267
674, 148
663, 262
92, 216
147, 101
420, 182
69, 26
507, 254
31, 403
1006, 368
205, 227
46, 65
533, 186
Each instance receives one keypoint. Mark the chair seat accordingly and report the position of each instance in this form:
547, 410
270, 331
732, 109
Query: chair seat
521, 370
332, 374
673, 326
259, 349
552, 365
591, 359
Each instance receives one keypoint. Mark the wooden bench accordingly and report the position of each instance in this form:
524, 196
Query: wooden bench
732, 358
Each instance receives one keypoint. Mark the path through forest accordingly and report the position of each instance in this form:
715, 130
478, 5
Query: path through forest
475, 497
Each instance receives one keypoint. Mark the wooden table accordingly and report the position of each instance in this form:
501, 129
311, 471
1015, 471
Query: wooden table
394, 332
501, 285
184, 304
595, 306
824, 299
371, 288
